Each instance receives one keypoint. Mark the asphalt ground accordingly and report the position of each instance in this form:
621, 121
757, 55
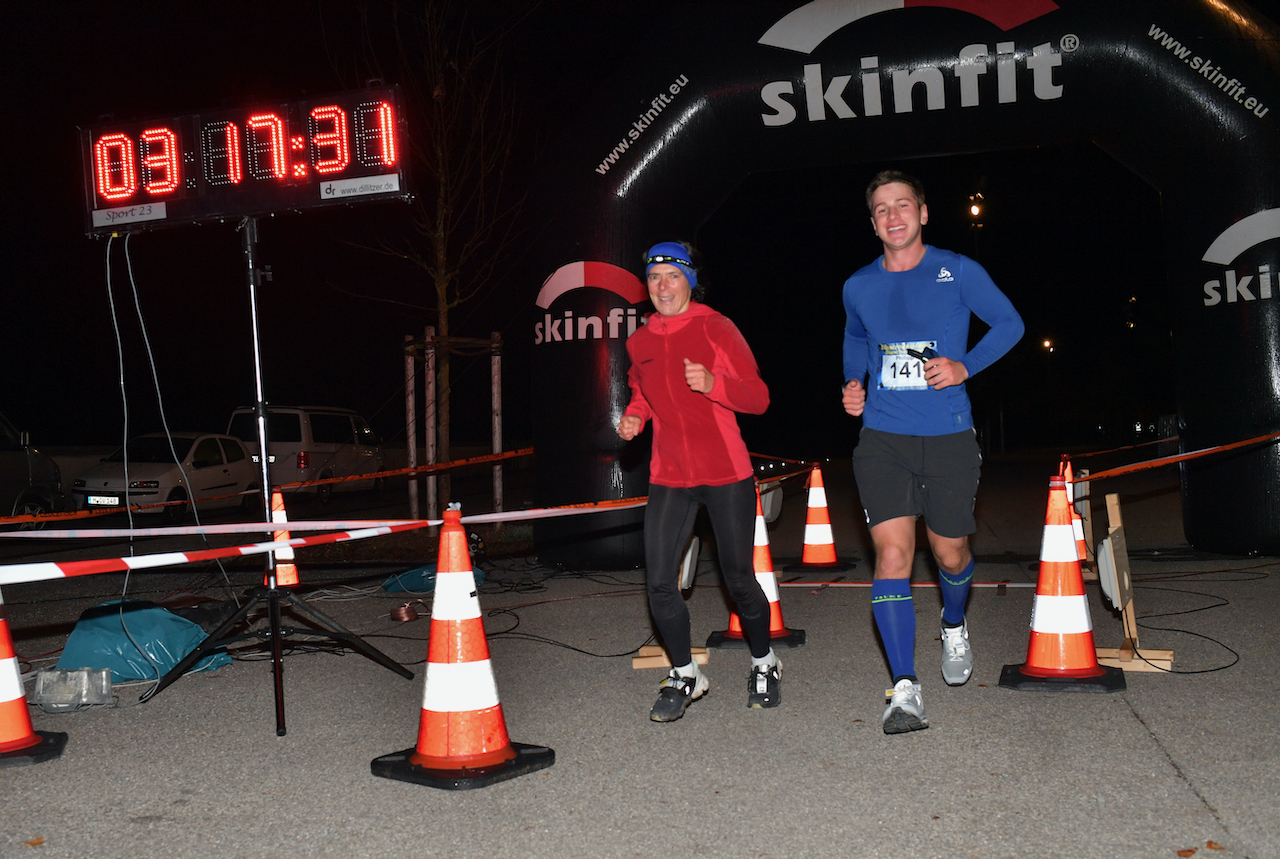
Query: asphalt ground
1177, 762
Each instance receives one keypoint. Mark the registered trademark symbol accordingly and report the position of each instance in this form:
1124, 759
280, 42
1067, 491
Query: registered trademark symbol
1069, 43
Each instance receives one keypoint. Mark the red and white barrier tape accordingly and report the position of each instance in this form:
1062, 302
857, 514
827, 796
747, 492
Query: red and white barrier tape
44, 570
315, 525
1170, 460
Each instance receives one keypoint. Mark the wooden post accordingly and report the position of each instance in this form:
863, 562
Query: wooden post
1084, 506
429, 395
1124, 656
411, 420
495, 362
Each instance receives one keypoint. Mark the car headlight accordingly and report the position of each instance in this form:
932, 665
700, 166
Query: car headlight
144, 484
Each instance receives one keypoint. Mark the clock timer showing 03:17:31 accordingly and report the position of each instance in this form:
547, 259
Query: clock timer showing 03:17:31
223, 164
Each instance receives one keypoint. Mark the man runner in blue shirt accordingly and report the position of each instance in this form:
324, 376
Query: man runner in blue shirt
906, 359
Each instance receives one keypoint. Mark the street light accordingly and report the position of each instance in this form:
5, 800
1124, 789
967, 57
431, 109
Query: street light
975, 209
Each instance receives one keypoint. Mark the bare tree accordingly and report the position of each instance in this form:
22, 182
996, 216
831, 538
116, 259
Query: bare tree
463, 134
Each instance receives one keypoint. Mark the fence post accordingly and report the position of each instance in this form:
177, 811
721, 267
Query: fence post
495, 360
411, 421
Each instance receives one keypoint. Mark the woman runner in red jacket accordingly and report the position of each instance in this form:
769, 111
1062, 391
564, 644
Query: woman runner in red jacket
691, 371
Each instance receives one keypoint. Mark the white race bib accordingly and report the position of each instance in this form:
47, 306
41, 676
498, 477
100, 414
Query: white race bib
900, 370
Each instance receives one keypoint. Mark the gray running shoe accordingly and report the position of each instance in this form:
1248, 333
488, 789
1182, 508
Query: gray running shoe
906, 709
676, 693
764, 687
957, 655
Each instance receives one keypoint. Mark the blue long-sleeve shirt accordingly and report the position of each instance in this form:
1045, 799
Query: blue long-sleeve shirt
891, 314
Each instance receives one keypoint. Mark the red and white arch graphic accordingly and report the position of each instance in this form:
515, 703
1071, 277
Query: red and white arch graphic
601, 275
807, 27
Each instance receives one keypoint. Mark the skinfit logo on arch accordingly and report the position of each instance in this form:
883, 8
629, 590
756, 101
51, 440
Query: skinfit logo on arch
825, 94
1241, 236
618, 323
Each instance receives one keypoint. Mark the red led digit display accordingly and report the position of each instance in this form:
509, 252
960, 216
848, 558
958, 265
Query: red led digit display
224, 164
332, 141
220, 144
266, 146
160, 163
375, 134
115, 169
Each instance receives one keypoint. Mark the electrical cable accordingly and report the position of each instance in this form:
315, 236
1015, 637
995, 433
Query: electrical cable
1143, 622
124, 400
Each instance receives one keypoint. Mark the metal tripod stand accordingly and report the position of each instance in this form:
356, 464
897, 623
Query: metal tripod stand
272, 595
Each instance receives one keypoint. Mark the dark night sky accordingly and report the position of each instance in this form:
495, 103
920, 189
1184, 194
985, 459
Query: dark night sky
1070, 263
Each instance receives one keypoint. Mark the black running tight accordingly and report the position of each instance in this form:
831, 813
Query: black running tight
668, 522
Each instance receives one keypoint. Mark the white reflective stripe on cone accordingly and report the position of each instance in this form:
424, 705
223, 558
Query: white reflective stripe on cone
817, 496
768, 584
455, 597
762, 534
459, 687
10, 680
820, 535
1061, 615
285, 553
1059, 544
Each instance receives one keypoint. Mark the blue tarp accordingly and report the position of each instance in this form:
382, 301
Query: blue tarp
99, 640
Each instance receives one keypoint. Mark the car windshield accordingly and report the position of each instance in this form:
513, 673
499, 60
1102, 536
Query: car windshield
151, 449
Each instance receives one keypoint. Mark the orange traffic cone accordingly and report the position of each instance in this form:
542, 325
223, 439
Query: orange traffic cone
762, 562
462, 734
19, 744
286, 571
1060, 653
819, 545
1077, 522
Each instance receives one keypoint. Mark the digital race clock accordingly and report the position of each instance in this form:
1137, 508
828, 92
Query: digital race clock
222, 164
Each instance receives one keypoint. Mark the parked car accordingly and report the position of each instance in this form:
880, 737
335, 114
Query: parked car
309, 443
214, 470
30, 481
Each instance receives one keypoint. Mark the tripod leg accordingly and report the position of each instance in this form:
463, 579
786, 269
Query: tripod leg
277, 658
203, 649
338, 632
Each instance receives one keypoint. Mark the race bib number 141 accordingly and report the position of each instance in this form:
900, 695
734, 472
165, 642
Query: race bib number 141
902, 364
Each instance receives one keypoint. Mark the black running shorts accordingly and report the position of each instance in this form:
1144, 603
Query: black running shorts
911, 475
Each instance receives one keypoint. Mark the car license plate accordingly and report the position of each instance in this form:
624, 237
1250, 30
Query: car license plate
104, 501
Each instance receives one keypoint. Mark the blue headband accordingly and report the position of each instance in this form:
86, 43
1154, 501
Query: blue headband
671, 253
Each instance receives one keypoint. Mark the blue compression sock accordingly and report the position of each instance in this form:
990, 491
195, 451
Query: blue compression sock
895, 614
955, 593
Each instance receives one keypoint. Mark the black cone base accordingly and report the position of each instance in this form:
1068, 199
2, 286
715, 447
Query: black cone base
1111, 680
50, 746
398, 766
723, 638
833, 567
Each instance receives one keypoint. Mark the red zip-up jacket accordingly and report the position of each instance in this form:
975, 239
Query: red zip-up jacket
696, 441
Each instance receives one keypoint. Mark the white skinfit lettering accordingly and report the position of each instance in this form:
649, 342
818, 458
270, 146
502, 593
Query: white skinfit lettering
835, 94
1231, 87
659, 103
618, 324
1239, 288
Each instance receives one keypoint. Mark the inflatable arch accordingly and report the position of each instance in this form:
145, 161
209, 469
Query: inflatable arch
1184, 93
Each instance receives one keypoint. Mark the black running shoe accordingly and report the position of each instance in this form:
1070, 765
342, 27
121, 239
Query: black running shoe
764, 687
675, 695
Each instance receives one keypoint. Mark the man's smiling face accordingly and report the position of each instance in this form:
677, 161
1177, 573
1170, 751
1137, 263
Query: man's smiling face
897, 217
